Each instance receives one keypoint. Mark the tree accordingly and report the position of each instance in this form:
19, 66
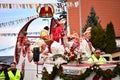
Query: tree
110, 35
92, 20
98, 37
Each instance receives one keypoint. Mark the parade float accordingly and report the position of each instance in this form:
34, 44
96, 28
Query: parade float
28, 46
64, 63
61, 65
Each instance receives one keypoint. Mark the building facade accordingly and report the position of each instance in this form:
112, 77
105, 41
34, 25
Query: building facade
107, 11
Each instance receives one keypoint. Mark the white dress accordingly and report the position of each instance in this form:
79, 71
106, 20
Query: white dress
85, 48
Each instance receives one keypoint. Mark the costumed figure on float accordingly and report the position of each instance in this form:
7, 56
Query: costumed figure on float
86, 46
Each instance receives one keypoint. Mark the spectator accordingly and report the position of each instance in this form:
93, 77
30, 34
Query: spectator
97, 58
3, 72
13, 73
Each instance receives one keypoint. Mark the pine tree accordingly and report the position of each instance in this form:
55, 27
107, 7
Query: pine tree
92, 20
110, 34
98, 37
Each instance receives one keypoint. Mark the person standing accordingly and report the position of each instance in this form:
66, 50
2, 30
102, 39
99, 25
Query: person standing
13, 73
85, 45
3, 72
58, 31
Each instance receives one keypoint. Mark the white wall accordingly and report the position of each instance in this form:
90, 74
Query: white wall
118, 42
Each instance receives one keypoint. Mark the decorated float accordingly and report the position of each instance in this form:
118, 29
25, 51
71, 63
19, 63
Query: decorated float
63, 62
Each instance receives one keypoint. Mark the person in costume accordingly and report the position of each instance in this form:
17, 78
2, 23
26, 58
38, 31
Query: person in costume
44, 34
13, 73
58, 31
45, 53
97, 58
85, 45
73, 47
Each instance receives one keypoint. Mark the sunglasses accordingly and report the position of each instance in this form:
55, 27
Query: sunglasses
97, 52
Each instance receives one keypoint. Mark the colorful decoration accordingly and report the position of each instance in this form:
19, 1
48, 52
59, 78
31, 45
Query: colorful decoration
15, 34
72, 54
46, 11
21, 39
11, 47
4, 24
105, 74
24, 6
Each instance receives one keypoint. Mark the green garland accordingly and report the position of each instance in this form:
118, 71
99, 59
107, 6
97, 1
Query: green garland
58, 71
65, 58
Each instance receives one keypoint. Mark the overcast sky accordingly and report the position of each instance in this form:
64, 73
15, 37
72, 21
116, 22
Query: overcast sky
7, 15
7, 43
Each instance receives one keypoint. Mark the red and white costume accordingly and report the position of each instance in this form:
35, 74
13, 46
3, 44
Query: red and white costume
58, 33
85, 45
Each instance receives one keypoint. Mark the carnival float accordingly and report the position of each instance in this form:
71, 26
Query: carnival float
29, 47
62, 62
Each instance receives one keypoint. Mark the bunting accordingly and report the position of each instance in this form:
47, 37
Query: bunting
11, 47
11, 6
24, 6
58, 7
15, 34
4, 24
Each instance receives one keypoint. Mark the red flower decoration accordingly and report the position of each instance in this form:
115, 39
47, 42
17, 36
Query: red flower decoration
96, 77
73, 53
